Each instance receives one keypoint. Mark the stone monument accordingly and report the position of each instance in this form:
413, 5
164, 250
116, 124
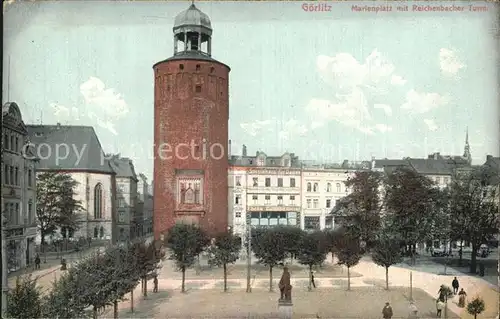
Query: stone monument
285, 301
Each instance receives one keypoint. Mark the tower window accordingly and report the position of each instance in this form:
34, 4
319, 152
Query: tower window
212, 69
181, 66
197, 67
198, 88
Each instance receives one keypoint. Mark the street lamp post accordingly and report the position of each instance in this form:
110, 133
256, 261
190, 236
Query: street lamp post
249, 257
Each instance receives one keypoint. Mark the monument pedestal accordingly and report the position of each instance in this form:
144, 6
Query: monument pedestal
285, 309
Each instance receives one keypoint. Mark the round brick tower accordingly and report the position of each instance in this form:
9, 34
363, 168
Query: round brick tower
191, 114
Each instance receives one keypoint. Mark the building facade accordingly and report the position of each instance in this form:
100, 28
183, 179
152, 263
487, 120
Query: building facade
264, 191
191, 130
322, 187
86, 162
145, 204
129, 220
18, 189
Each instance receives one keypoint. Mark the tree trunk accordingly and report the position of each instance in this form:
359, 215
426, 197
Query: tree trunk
270, 278
225, 277
94, 312
145, 286
386, 278
462, 250
473, 258
309, 287
115, 309
183, 287
348, 278
132, 300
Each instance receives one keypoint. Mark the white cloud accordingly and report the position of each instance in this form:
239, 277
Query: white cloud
344, 72
421, 102
386, 108
353, 82
431, 125
292, 129
350, 110
105, 100
449, 62
397, 80
253, 128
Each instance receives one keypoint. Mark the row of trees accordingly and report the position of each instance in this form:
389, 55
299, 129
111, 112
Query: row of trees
274, 246
409, 207
84, 290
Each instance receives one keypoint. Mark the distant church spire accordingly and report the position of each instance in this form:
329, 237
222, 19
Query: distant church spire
467, 154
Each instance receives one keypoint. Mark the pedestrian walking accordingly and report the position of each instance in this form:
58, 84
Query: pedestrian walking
455, 285
441, 293
312, 279
387, 311
155, 283
37, 261
439, 307
461, 298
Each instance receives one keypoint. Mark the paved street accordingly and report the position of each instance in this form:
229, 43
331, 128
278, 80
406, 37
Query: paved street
50, 270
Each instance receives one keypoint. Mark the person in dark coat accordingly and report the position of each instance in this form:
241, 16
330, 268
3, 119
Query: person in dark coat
312, 279
37, 261
155, 283
455, 285
387, 311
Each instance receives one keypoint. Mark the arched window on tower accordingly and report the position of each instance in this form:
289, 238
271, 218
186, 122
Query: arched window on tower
315, 187
328, 187
96, 232
98, 201
308, 187
338, 188
101, 232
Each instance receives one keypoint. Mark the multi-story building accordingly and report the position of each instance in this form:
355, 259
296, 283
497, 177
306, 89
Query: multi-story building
145, 204
76, 150
18, 189
129, 220
264, 190
322, 187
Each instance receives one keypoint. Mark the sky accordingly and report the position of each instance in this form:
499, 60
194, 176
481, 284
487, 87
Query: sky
325, 85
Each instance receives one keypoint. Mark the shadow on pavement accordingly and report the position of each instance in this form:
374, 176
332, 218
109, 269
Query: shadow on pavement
145, 308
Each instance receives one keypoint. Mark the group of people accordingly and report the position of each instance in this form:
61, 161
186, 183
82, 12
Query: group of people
440, 302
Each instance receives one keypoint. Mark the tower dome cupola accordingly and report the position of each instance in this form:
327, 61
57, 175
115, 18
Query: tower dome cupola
193, 30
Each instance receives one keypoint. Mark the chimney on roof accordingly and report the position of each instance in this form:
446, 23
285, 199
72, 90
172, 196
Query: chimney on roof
58, 125
489, 157
229, 149
373, 162
244, 150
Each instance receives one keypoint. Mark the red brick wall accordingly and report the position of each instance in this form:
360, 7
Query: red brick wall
183, 115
